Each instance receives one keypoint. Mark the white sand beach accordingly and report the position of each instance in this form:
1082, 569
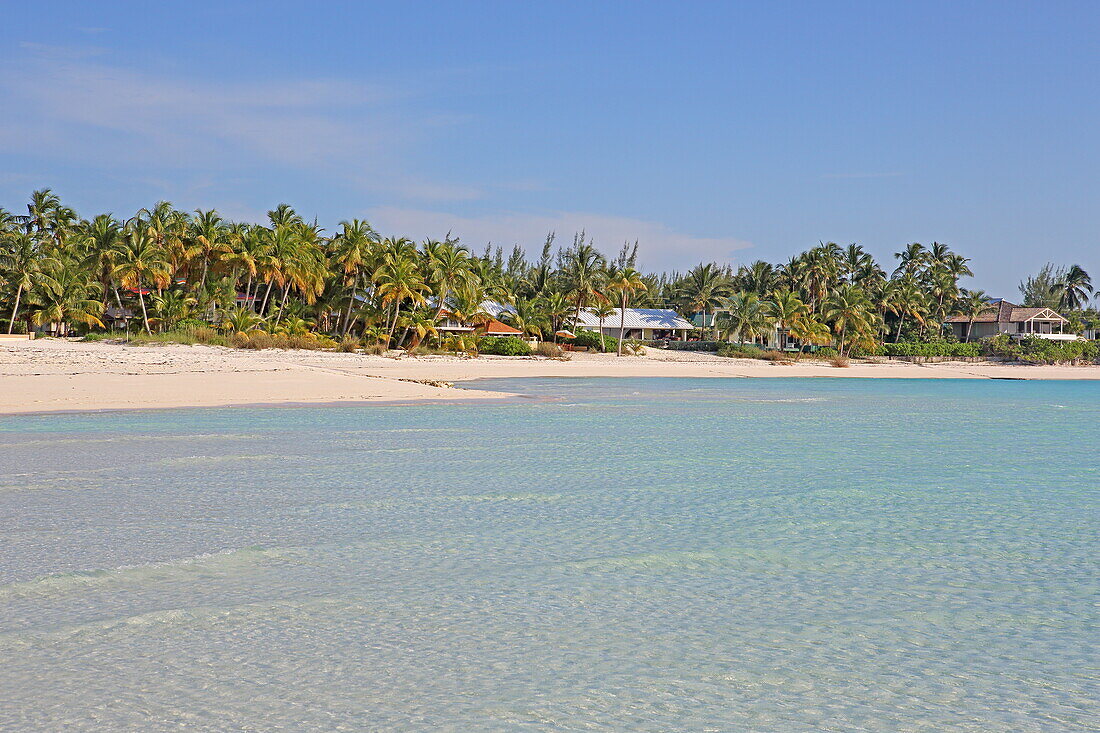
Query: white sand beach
50, 375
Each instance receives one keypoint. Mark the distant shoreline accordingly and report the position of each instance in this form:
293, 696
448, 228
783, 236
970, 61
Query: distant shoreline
55, 376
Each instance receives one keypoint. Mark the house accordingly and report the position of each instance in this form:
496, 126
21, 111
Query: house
117, 317
491, 327
776, 338
1017, 321
646, 324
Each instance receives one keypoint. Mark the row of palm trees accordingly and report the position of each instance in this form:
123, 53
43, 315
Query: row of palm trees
167, 265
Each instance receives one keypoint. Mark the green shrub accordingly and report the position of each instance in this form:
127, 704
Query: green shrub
734, 351
933, 348
591, 340
189, 323
504, 346
1035, 350
686, 345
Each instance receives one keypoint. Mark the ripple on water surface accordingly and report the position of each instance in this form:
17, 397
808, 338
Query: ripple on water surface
758, 555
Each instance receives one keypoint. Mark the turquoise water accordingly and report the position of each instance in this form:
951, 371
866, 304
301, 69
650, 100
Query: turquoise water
639, 555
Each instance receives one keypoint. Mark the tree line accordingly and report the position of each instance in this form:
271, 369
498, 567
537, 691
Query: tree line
167, 266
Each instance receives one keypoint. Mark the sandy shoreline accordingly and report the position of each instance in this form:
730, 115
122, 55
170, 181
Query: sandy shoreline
53, 375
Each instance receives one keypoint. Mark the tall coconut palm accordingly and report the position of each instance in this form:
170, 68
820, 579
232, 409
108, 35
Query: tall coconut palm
911, 259
704, 288
211, 242
449, 268
583, 274
141, 262
906, 298
625, 283
399, 279
1073, 289
355, 248
603, 310
851, 313
20, 263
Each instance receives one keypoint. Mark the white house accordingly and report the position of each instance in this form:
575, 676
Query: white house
645, 324
1017, 321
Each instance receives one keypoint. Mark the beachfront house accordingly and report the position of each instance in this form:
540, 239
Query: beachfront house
779, 339
645, 324
449, 325
1017, 321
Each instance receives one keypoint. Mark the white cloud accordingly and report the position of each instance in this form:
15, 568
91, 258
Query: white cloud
71, 105
659, 246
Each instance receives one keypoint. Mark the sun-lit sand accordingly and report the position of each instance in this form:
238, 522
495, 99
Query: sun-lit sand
48, 375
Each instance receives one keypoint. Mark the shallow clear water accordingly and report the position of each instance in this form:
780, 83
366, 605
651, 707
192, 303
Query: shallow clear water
751, 555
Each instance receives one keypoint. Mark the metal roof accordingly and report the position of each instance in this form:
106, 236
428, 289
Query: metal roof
659, 318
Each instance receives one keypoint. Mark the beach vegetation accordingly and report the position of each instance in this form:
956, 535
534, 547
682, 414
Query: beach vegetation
168, 272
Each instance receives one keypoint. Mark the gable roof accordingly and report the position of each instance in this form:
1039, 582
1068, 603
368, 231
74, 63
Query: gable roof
659, 318
1001, 311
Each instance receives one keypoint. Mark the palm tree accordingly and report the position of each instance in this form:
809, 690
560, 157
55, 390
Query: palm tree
556, 308
851, 314
911, 260
140, 261
355, 247
20, 261
528, 316
420, 324
784, 309
1073, 290
747, 317
449, 267
626, 282
240, 319
399, 279
583, 274
973, 304
906, 298
603, 310
705, 287
67, 295
171, 307
100, 239
810, 331
209, 235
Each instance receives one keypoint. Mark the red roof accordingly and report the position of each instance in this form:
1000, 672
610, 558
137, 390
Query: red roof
493, 327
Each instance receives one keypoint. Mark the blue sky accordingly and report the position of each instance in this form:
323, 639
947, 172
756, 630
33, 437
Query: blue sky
708, 131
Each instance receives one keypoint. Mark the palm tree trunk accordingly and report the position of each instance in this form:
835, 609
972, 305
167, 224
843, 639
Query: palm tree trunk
393, 326
969, 327
144, 313
15, 310
901, 320
351, 303
282, 305
267, 294
622, 323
